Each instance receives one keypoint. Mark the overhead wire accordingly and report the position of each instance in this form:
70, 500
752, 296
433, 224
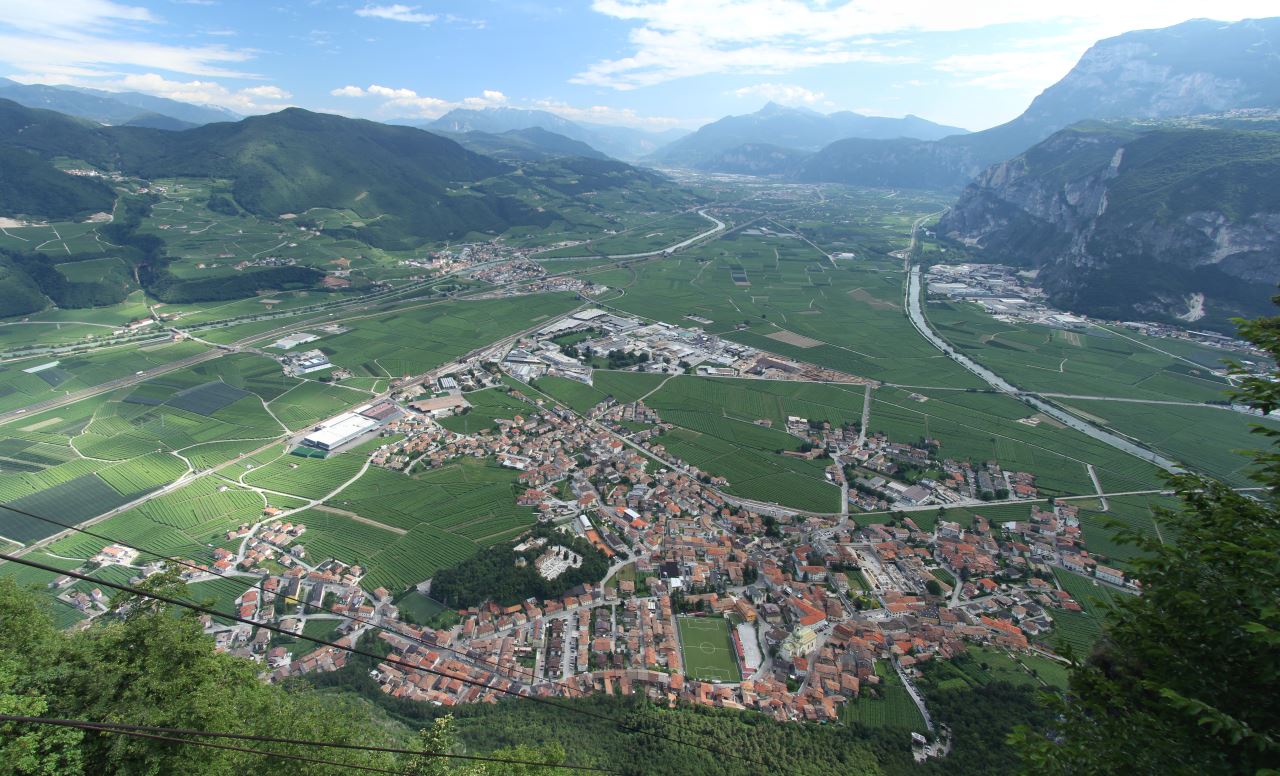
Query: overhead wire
160, 731
364, 653
261, 588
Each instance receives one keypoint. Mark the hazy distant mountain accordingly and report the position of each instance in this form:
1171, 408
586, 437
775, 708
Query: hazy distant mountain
794, 128
1135, 220
619, 142
754, 159
1196, 67
523, 145
114, 108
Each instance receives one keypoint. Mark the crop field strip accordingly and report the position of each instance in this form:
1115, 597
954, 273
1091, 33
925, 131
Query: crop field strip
893, 709
416, 339
1080, 630
19, 388
983, 426
1181, 431
95, 455
1040, 358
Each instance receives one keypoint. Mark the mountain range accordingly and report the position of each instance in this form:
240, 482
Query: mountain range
622, 143
522, 145
114, 108
793, 129
1199, 66
411, 186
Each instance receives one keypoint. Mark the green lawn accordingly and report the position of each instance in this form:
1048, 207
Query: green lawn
707, 649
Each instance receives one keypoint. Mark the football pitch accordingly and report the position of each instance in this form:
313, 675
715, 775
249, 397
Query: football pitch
707, 649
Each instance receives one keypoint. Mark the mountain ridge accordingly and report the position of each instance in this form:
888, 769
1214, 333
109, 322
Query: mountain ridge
1124, 220
113, 108
1199, 66
798, 129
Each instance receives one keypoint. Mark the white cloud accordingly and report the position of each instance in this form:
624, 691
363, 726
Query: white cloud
71, 15
397, 13
403, 102
607, 114
487, 99
392, 94
87, 38
675, 38
785, 94
254, 99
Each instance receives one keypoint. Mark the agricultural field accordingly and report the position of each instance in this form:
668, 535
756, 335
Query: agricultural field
95, 455
1075, 632
306, 477
56, 238
651, 236
206, 243
1093, 362
182, 523
1078, 631
707, 649
34, 379
892, 709
1093, 596
18, 335
752, 400
851, 309
985, 426
416, 338
1180, 433
310, 401
416, 525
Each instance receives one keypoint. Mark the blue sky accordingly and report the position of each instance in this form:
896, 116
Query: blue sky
646, 63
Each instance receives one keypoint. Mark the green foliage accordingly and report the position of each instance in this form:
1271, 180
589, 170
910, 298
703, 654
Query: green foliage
155, 667
493, 575
30, 185
1194, 662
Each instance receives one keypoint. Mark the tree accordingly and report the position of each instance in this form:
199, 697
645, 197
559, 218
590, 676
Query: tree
1186, 679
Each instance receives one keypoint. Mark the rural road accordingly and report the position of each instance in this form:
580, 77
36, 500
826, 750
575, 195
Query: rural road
719, 227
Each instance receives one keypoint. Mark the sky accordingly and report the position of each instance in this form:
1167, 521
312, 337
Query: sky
650, 64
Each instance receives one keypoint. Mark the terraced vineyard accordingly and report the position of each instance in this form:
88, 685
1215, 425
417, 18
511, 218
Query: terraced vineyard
893, 708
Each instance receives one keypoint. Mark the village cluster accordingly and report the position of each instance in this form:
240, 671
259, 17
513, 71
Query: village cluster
815, 606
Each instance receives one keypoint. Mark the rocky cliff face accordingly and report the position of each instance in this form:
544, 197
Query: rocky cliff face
1159, 223
1197, 67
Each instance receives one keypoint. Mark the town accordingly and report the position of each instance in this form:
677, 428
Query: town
708, 598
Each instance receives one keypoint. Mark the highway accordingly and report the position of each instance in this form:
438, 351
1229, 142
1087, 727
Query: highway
915, 310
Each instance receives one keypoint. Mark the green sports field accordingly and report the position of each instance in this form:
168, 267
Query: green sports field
708, 649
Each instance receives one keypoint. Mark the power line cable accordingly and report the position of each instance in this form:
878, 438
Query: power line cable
364, 653
125, 729
261, 587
